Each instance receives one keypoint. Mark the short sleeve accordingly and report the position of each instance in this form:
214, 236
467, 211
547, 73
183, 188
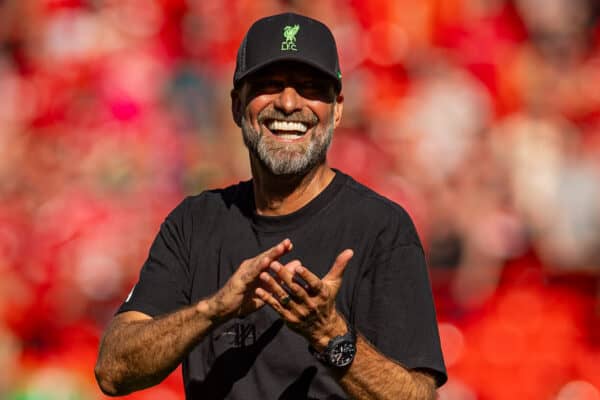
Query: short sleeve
395, 310
164, 281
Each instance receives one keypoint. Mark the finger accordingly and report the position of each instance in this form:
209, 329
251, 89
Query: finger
291, 266
312, 283
274, 253
287, 278
279, 249
272, 301
339, 266
270, 285
290, 281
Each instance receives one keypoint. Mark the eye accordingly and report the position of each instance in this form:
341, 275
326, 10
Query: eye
313, 85
268, 86
315, 88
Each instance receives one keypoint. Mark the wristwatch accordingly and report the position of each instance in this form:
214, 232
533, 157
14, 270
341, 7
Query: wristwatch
340, 350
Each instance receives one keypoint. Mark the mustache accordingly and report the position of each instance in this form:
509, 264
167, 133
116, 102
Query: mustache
270, 114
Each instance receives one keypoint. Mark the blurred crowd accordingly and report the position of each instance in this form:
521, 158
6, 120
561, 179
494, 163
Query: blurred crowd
480, 117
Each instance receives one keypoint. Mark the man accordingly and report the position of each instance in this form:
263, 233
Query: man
300, 283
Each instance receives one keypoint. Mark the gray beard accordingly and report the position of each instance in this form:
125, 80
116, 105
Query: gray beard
287, 158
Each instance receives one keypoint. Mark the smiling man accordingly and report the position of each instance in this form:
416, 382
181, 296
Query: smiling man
300, 283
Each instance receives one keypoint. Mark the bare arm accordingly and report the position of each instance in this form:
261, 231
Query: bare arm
311, 313
374, 376
138, 351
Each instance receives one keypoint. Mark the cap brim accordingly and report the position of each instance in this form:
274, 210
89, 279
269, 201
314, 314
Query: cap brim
336, 80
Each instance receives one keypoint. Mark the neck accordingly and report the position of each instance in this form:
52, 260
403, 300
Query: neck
280, 195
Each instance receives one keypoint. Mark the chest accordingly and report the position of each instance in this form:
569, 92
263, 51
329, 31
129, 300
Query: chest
218, 254
259, 347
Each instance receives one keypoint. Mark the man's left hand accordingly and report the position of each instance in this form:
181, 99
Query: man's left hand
308, 307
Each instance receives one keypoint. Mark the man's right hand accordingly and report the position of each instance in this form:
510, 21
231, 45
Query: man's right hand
237, 297
124, 363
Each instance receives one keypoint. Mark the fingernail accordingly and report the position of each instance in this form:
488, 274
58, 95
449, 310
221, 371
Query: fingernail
299, 269
275, 266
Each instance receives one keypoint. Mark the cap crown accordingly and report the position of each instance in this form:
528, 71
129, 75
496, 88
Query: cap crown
288, 37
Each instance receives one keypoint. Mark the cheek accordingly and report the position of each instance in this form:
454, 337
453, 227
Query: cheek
325, 115
251, 114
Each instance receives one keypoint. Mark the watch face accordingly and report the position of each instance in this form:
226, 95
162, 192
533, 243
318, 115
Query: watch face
342, 354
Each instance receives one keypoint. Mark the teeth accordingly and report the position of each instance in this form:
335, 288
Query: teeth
287, 126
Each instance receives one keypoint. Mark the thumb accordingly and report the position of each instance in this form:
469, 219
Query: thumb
339, 265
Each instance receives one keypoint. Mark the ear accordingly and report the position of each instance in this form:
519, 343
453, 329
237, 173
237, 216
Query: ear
236, 107
338, 108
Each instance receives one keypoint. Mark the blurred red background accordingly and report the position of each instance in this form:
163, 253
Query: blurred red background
480, 117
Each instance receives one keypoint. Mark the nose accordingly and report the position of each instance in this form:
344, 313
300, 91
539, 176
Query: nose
288, 100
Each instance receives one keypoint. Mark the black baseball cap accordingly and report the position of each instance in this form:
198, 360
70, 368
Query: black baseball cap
288, 37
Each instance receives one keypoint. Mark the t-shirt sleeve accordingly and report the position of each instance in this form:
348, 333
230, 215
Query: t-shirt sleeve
163, 284
395, 309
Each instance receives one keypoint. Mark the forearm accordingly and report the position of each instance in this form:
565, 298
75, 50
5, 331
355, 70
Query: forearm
373, 376
138, 351
138, 354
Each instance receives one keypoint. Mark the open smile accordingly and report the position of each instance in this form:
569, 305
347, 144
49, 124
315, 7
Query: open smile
287, 130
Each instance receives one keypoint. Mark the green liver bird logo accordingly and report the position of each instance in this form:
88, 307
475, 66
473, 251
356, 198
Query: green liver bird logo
289, 34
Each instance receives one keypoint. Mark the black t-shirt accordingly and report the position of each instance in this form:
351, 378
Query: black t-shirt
385, 292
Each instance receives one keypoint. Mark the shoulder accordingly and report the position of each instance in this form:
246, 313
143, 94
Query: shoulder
390, 219
236, 195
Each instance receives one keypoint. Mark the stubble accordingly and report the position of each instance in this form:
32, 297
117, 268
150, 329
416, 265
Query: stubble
287, 158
